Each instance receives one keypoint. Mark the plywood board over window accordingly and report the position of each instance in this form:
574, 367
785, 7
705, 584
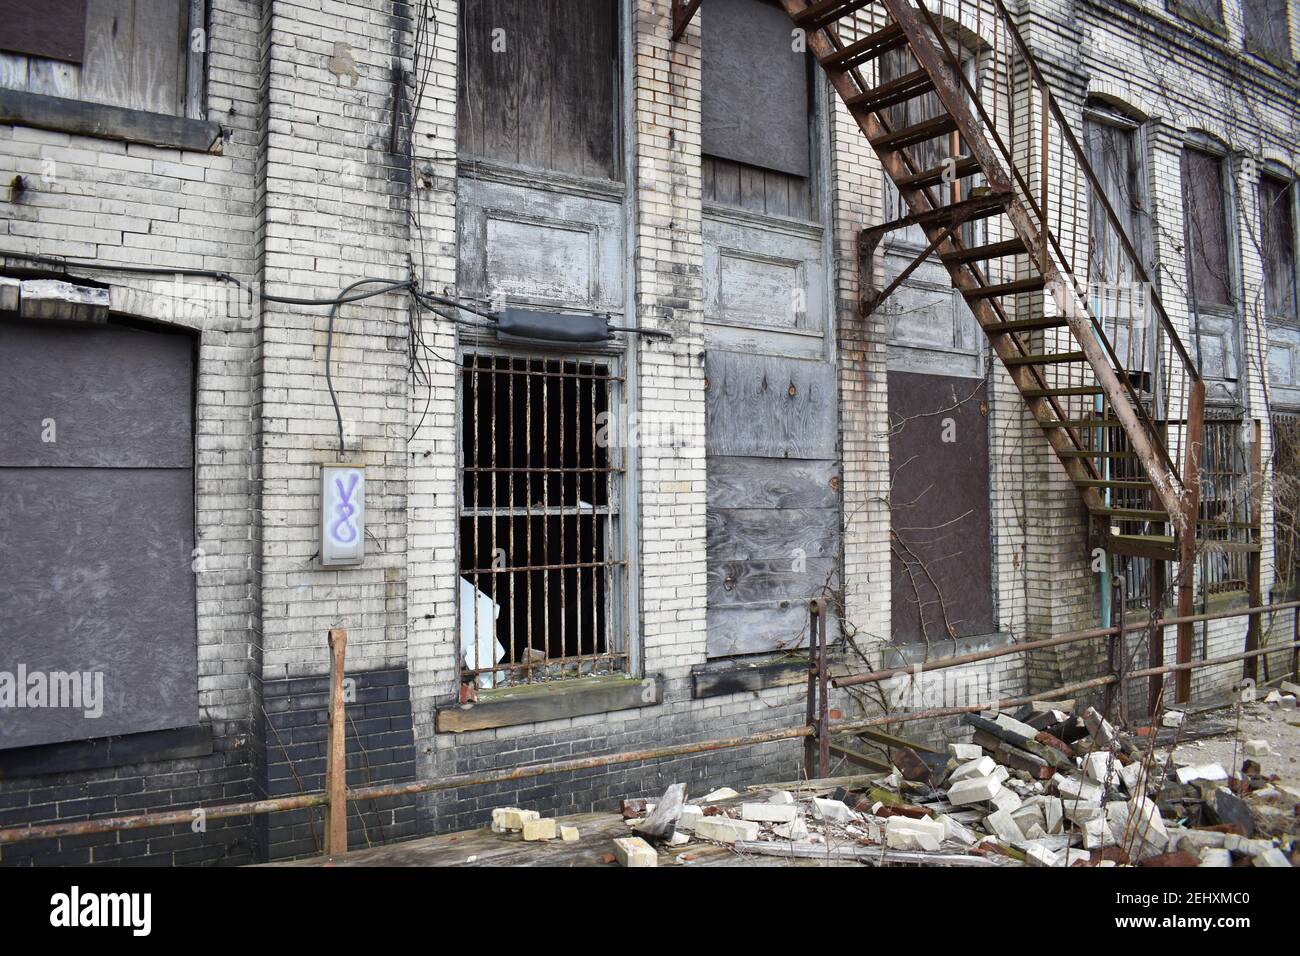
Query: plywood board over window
1267, 32
97, 494
940, 544
539, 85
1211, 272
128, 53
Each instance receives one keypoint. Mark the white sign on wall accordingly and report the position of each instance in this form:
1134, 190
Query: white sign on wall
342, 515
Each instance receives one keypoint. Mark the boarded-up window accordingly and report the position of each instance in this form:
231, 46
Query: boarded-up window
755, 98
1115, 294
939, 508
53, 29
135, 55
1205, 218
539, 84
1277, 224
1208, 13
1264, 23
97, 549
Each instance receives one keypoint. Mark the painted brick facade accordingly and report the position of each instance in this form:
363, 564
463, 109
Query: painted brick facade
312, 190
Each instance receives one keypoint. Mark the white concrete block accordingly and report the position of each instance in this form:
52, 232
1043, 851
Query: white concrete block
691, 815
1216, 857
539, 830
832, 811
1257, 748
1273, 857
965, 752
634, 851
981, 767
907, 833
781, 798
767, 812
726, 830
1205, 771
1000, 824
1015, 726
974, 790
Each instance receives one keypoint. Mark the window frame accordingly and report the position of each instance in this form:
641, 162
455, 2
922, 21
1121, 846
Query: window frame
1283, 58
189, 130
1232, 255
489, 167
1291, 184
620, 611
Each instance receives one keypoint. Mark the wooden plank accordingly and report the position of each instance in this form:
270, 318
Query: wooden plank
13, 71
158, 57
52, 78
745, 482
861, 854
761, 629
541, 702
108, 122
732, 583
768, 406
106, 69
859, 758
889, 740
792, 534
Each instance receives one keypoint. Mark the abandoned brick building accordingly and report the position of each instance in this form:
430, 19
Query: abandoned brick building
660, 322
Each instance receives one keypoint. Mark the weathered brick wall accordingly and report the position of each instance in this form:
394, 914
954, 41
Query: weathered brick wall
129, 204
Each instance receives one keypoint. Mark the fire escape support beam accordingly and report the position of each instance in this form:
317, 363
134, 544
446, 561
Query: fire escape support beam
683, 13
871, 300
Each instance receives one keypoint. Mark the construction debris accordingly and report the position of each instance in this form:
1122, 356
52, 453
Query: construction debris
634, 851
1043, 786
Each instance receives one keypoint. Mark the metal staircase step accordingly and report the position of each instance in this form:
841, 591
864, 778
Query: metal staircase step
1025, 325
868, 48
1080, 423
1133, 514
917, 133
968, 210
906, 87
1113, 483
1032, 284
996, 250
1109, 455
1063, 390
825, 12
1055, 358
966, 166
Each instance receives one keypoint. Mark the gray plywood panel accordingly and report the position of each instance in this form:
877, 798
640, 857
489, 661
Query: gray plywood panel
755, 99
97, 579
733, 583
761, 629
939, 507
792, 534
108, 396
772, 483
770, 407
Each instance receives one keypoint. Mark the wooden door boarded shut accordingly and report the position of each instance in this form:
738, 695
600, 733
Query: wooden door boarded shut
773, 499
939, 507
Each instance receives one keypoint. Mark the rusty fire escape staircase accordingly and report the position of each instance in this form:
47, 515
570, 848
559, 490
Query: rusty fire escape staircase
1109, 427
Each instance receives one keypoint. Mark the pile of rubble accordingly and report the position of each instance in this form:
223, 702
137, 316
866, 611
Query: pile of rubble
1040, 787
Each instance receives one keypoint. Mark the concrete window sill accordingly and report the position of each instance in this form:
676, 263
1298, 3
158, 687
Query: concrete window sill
743, 675
536, 703
20, 108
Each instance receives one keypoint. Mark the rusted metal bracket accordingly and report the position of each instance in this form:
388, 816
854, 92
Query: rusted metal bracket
683, 13
871, 299
817, 745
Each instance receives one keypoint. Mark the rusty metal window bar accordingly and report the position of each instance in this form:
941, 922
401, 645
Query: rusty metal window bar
1225, 508
1286, 502
1126, 470
542, 591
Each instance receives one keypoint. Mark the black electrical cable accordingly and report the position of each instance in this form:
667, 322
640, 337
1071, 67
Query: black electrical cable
106, 267
329, 335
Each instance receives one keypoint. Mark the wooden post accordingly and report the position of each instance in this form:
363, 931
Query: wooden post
823, 697
810, 769
336, 784
1187, 536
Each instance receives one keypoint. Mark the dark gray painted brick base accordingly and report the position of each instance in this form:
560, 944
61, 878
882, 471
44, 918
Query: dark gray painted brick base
380, 749
221, 777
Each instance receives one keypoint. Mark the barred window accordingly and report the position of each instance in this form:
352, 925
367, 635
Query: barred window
1286, 502
542, 567
1225, 507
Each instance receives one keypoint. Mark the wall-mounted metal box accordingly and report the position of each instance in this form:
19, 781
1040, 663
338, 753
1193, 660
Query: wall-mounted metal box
342, 515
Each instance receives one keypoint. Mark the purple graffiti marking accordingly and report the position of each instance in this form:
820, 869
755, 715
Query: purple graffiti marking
343, 530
